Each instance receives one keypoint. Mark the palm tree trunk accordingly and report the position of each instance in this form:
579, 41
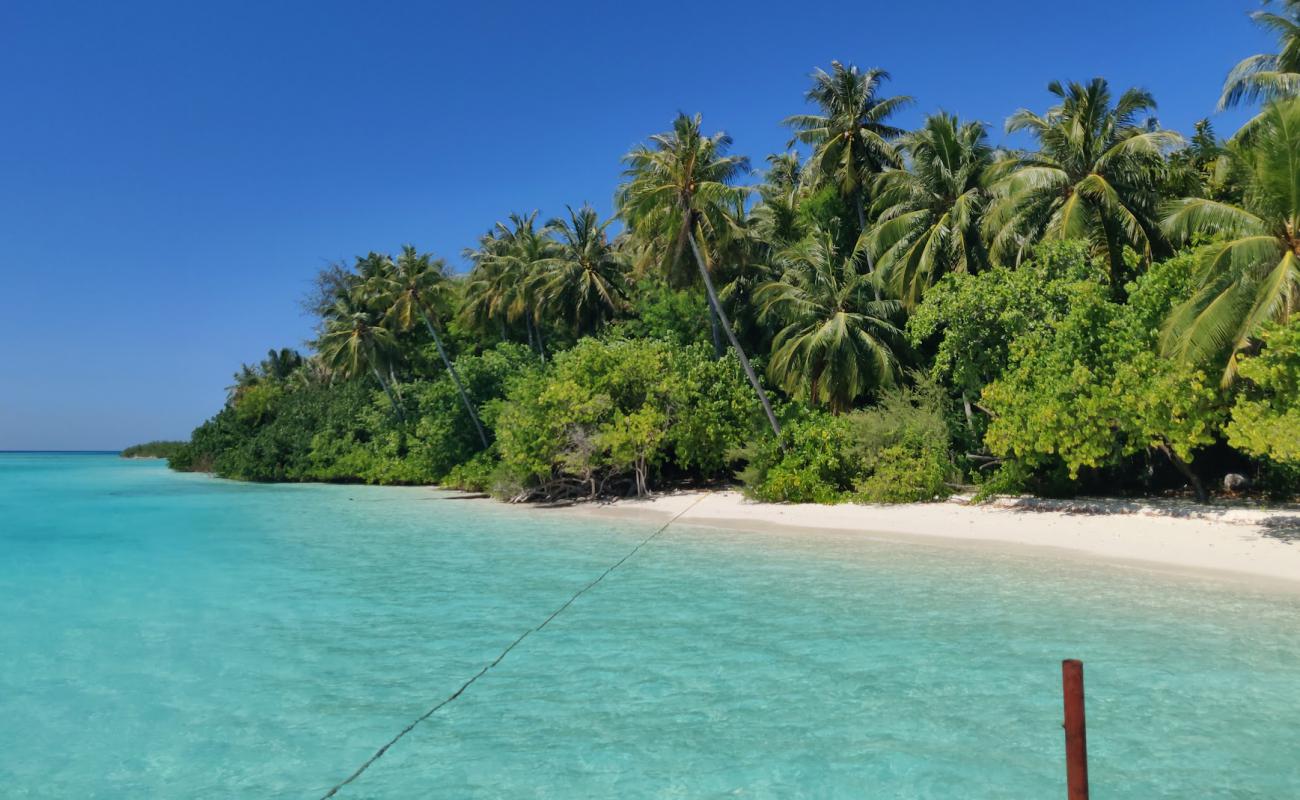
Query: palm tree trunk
1186, 469
718, 347
397, 387
397, 409
541, 345
726, 327
455, 376
970, 417
862, 228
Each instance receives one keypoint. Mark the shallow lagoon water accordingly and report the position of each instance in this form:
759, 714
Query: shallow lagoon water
171, 635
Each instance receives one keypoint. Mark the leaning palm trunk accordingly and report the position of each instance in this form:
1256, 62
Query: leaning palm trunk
731, 336
455, 376
718, 347
392, 399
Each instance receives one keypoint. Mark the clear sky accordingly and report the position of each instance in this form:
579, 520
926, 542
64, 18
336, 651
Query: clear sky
172, 174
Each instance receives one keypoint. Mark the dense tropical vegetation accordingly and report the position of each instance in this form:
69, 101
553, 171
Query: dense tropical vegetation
881, 314
155, 449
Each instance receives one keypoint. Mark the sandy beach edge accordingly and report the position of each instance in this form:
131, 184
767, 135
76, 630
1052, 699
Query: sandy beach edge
1259, 545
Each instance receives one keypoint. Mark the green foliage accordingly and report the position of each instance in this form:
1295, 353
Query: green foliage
279, 444
827, 209
613, 411
910, 472
1089, 388
1041, 317
929, 216
476, 475
257, 403
812, 462
1249, 275
154, 449
1266, 417
443, 435
850, 135
838, 340
1094, 176
662, 312
969, 321
903, 443
894, 452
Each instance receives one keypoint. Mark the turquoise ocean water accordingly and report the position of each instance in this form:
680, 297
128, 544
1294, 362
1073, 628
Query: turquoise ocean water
176, 636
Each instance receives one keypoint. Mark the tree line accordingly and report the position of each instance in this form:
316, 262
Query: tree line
885, 314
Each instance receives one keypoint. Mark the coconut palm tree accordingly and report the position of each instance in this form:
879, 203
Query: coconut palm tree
850, 137
1094, 176
775, 218
514, 258
278, 365
1268, 76
838, 339
929, 215
487, 287
1251, 273
355, 341
411, 291
679, 197
584, 283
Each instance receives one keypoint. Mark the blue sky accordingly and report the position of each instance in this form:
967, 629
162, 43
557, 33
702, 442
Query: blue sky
172, 174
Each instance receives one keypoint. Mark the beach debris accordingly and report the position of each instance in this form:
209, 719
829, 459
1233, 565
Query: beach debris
1235, 482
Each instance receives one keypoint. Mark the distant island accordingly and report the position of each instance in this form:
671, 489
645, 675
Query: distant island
886, 315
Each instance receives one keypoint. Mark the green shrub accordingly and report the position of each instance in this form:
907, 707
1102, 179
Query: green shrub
910, 472
1090, 389
903, 445
1266, 417
609, 414
895, 452
479, 474
813, 462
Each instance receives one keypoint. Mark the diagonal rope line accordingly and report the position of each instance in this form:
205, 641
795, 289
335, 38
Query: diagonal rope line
380, 752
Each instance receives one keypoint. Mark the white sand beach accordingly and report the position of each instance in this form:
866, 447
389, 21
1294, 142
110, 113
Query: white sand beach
1252, 542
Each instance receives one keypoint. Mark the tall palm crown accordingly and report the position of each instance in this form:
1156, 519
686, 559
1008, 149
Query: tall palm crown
850, 137
509, 265
678, 185
679, 199
775, 218
1251, 274
487, 286
838, 339
1268, 76
584, 285
1095, 175
278, 365
413, 285
929, 215
411, 290
356, 341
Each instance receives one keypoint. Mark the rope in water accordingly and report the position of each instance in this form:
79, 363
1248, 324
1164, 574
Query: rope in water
380, 752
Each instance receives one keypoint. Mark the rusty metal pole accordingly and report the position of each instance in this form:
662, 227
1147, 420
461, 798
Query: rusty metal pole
1076, 738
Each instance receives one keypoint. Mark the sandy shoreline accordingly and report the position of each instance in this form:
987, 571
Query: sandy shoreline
1259, 544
